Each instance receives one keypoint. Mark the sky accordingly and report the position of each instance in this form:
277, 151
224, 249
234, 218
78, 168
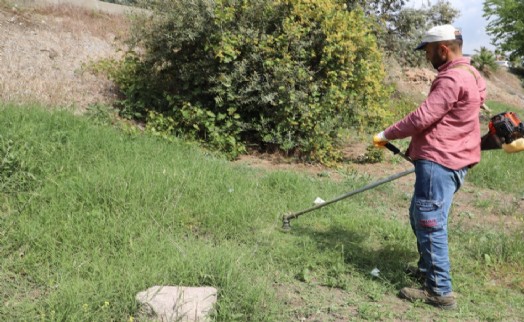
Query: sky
470, 21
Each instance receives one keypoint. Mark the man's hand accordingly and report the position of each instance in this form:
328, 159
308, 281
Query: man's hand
379, 140
515, 146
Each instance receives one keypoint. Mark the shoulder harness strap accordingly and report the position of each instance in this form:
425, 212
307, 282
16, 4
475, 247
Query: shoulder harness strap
465, 67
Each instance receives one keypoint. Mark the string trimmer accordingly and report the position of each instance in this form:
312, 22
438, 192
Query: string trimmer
287, 218
506, 130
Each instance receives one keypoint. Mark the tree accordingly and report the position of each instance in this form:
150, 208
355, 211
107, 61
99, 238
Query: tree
378, 8
484, 61
406, 29
399, 29
507, 25
499, 54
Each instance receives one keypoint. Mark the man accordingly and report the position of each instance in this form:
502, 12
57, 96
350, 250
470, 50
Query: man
445, 142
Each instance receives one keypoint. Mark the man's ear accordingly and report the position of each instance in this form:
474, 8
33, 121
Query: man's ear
443, 49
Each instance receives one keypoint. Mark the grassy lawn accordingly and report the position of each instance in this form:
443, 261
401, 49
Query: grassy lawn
90, 215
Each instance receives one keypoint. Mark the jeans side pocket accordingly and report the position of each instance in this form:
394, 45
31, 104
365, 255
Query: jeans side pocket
428, 214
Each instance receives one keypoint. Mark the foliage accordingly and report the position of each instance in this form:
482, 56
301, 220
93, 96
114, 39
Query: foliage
374, 154
506, 25
399, 29
219, 131
412, 24
484, 61
280, 75
379, 8
516, 62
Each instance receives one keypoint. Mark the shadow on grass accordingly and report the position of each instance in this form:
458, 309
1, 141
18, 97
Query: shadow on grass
390, 256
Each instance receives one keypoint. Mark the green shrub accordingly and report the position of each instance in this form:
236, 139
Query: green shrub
281, 75
484, 61
373, 154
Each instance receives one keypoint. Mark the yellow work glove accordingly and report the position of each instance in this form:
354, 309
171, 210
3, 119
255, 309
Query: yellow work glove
379, 140
515, 146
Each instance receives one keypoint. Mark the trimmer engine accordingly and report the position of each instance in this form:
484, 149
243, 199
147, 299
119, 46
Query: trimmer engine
506, 126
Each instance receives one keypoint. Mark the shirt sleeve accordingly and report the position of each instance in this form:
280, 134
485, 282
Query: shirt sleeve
442, 97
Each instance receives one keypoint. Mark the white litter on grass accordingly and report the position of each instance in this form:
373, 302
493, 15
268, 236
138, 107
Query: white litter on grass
375, 272
318, 201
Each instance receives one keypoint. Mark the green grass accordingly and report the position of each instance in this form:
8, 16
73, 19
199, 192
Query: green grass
497, 107
90, 215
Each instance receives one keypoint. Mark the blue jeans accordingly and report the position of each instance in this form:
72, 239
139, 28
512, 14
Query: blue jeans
435, 186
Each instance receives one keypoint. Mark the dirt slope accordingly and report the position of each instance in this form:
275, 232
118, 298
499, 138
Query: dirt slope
502, 86
44, 51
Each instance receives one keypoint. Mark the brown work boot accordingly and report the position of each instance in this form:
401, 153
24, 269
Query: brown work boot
446, 302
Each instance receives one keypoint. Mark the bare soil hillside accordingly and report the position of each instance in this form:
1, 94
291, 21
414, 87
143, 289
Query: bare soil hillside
502, 86
44, 52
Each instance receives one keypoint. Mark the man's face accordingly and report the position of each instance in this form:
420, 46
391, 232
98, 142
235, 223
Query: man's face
436, 54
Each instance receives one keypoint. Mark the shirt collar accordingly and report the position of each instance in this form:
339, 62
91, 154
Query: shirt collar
458, 61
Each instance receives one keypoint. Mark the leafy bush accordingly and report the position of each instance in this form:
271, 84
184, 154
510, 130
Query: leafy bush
484, 61
372, 155
281, 75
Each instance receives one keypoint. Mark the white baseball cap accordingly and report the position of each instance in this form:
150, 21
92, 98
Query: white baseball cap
439, 33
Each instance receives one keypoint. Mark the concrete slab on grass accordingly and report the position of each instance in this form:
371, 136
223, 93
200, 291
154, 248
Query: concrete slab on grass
178, 303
